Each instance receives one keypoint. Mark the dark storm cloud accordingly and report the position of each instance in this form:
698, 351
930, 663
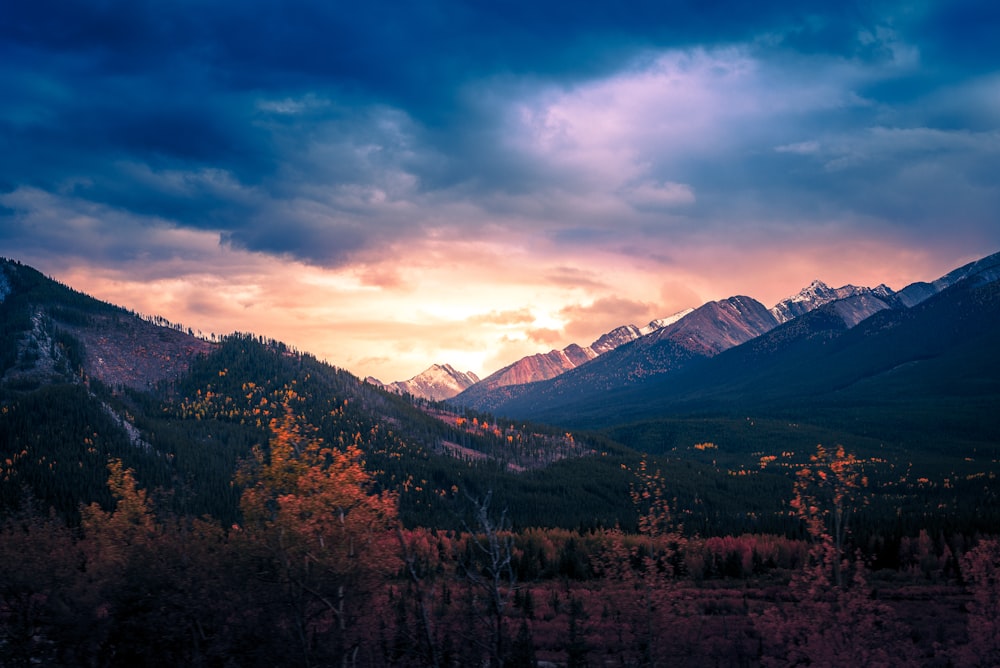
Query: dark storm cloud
318, 130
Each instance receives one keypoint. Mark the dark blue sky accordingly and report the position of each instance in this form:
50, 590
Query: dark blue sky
579, 165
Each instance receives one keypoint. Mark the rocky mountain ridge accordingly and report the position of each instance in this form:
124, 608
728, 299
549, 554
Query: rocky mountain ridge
899, 372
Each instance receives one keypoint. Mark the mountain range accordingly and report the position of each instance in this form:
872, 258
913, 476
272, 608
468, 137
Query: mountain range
440, 382
669, 345
147, 351
822, 342
911, 368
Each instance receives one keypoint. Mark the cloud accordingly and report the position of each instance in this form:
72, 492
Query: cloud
653, 195
801, 148
518, 317
576, 277
46, 224
602, 315
387, 278
598, 136
547, 337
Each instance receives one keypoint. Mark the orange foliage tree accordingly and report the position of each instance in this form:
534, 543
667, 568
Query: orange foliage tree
831, 620
321, 535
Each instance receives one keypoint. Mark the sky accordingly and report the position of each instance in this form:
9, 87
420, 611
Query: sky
389, 185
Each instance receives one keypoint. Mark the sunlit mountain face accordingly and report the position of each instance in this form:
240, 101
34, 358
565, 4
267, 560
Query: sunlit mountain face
405, 186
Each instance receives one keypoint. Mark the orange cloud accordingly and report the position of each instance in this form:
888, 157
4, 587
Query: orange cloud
549, 337
513, 317
605, 314
676, 296
382, 277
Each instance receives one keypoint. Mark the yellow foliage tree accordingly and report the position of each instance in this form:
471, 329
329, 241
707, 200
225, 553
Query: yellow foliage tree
112, 535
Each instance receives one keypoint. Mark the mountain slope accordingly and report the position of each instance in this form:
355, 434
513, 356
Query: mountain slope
51, 332
183, 414
985, 269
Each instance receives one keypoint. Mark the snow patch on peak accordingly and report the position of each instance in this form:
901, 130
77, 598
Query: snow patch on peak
616, 337
883, 291
809, 293
664, 322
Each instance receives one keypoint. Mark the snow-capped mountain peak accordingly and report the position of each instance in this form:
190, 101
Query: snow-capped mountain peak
883, 291
615, 338
437, 383
817, 294
626, 333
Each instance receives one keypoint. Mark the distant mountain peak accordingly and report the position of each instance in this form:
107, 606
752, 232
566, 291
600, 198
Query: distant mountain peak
882, 290
437, 383
817, 294
816, 289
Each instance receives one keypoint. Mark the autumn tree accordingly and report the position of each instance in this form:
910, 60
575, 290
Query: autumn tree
129, 524
321, 533
826, 494
832, 618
